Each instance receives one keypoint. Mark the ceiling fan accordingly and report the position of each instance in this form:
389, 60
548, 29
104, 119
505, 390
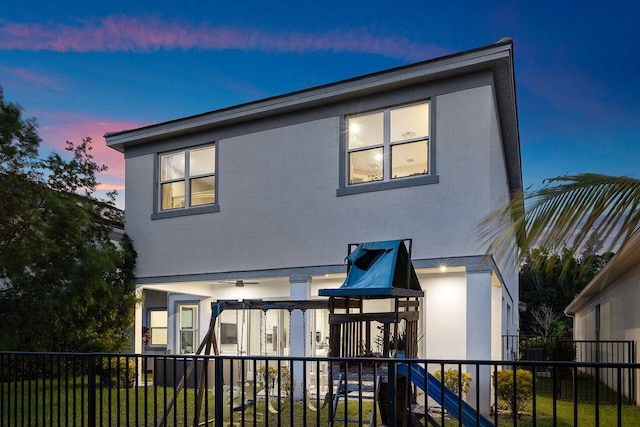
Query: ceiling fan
238, 283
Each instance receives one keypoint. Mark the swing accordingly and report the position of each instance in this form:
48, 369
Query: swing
239, 400
307, 393
265, 386
240, 336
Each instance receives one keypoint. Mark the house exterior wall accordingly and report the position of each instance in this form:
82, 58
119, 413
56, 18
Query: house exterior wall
445, 311
284, 214
278, 186
619, 316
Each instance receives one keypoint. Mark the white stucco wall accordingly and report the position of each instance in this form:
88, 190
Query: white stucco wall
278, 203
445, 313
619, 314
619, 319
279, 210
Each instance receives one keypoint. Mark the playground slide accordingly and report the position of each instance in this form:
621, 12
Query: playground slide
451, 402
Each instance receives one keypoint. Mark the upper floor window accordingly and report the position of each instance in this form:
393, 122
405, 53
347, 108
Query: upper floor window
188, 178
388, 144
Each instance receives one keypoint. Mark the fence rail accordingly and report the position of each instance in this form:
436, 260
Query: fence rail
535, 348
69, 389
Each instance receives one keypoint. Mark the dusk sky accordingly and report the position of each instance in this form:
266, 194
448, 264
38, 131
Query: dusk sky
86, 68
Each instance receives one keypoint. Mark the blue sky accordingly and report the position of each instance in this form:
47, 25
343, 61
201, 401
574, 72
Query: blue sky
85, 68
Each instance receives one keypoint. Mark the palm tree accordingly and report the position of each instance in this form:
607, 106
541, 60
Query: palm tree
567, 212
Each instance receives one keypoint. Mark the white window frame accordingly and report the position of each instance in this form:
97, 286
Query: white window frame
387, 182
188, 209
152, 327
193, 329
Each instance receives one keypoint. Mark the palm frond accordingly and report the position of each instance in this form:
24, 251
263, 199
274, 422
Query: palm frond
565, 212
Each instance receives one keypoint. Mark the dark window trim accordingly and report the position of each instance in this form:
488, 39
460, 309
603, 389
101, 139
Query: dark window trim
186, 211
388, 185
432, 177
157, 213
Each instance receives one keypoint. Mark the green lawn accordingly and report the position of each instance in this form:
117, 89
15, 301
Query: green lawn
586, 414
64, 403
50, 402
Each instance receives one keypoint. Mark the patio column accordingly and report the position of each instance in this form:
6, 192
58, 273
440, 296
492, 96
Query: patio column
137, 325
479, 297
137, 331
299, 338
300, 289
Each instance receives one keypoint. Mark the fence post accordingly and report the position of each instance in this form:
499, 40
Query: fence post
91, 391
391, 398
632, 373
218, 387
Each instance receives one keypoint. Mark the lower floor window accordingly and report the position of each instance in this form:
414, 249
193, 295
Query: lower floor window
188, 328
158, 328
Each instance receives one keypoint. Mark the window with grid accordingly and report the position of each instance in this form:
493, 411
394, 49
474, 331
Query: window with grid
158, 328
388, 144
188, 328
188, 178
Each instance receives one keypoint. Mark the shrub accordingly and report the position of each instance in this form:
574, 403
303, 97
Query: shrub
553, 349
562, 351
518, 400
118, 372
452, 380
533, 348
274, 376
267, 378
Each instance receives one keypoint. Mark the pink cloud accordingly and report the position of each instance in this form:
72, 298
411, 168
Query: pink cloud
32, 78
74, 128
120, 33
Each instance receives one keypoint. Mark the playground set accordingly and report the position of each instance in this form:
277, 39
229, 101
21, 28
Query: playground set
376, 271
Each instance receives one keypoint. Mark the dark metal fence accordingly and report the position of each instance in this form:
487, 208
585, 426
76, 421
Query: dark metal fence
64, 389
533, 348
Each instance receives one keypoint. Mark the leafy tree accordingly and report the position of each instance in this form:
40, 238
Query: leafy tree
544, 319
64, 285
548, 283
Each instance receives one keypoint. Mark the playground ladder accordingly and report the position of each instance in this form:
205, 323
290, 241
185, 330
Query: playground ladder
343, 389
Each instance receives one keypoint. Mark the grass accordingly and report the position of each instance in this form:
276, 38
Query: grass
53, 402
50, 402
566, 413
586, 414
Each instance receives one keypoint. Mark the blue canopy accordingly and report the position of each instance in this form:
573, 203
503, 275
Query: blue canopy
378, 269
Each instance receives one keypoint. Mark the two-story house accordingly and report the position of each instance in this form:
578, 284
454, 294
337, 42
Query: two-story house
261, 200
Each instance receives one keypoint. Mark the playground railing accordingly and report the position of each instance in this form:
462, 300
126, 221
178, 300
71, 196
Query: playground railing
56, 389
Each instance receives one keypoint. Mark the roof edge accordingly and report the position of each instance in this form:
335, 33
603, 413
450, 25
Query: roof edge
627, 257
429, 69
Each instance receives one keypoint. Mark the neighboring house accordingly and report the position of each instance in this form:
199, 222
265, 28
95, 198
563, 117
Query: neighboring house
261, 200
607, 308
